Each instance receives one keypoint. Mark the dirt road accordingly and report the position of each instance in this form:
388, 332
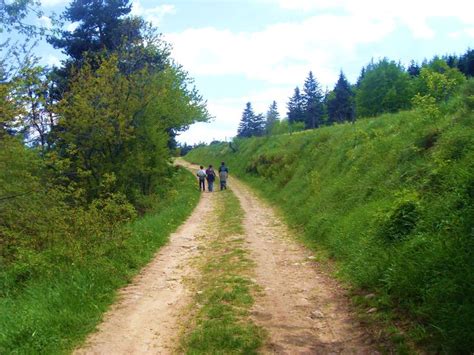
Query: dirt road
303, 310
151, 311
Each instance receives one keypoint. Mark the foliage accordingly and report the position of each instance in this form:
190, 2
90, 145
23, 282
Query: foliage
391, 198
384, 88
284, 126
101, 27
51, 300
115, 127
439, 81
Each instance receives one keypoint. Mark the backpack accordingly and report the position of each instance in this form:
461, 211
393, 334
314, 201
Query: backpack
211, 175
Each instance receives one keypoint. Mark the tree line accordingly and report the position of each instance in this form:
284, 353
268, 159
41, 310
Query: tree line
383, 86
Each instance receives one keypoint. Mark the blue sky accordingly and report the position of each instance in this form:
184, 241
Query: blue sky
258, 51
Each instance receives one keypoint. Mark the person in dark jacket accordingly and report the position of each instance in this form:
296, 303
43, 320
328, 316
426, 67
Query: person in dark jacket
223, 175
211, 177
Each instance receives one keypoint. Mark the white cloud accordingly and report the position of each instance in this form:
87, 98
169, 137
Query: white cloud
154, 15
413, 14
52, 60
48, 3
45, 21
281, 53
470, 32
72, 26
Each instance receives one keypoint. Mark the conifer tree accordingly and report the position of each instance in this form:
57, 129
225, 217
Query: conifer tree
250, 123
295, 107
413, 69
257, 125
245, 124
340, 102
466, 63
272, 116
312, 102
102, 26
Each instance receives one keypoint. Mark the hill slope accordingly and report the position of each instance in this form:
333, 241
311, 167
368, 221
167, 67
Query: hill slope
391, 199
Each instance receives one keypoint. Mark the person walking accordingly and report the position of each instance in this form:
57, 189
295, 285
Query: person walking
211, 176
201, 174
223, 175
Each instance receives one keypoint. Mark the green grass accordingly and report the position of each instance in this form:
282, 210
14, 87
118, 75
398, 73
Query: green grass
222, 324
56, 310
391, 200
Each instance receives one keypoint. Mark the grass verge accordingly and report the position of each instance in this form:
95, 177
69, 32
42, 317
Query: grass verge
55, 311
222, 324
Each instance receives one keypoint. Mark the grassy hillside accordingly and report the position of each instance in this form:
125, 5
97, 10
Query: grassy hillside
391, 199
56, 308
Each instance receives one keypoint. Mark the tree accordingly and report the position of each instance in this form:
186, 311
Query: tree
466, 63
295, 107
413, 69
244, 129
312, 102
385, 87
101, 27
113, 129
250, 123
272, 116
438, 80
340, 101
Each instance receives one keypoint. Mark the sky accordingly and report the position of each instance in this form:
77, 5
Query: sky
257, 51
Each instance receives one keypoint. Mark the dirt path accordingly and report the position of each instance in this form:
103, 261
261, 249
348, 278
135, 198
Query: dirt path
151, 311
302, 309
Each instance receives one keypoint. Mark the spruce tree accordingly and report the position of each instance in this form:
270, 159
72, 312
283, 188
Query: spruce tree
245, 125
250, 123
295, 107
413, 69
257, 125
466, 63
312, 102
272, 116
341, 102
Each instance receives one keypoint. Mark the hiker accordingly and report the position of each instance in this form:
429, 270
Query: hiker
201, 174
211, 176
223, 174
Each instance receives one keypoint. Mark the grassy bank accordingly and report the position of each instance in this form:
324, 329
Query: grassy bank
222, 324
55, 310
391, 199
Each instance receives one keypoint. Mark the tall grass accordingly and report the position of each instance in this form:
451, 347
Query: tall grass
390, 198
55, 310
